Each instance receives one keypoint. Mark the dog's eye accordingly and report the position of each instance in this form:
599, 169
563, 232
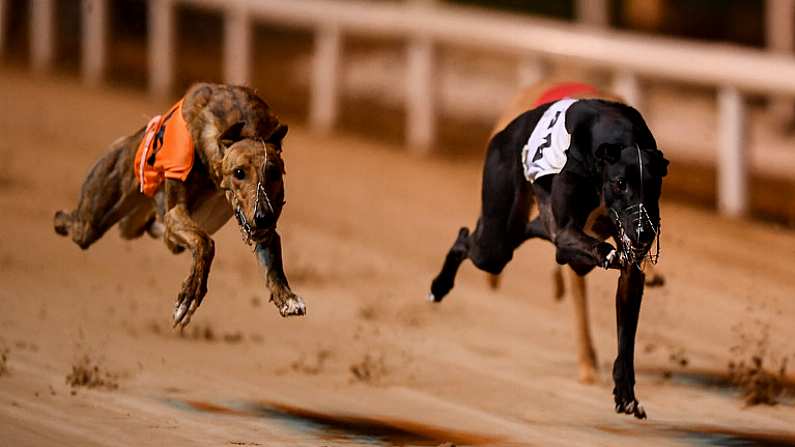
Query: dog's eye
621, 184
239, 174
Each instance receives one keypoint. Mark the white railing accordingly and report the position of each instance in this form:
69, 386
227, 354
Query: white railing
732, 70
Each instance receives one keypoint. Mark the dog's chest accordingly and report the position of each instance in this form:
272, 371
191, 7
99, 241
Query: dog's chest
211, 212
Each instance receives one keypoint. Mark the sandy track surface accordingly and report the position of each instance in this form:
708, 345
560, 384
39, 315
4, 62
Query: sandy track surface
365, 229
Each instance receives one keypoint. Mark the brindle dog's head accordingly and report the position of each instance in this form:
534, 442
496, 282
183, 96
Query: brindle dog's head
631, 169
252, 173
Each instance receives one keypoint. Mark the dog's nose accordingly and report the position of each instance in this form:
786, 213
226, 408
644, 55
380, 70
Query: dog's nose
263, 219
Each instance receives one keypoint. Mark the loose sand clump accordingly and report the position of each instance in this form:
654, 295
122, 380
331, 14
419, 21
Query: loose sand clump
304, 366
198, 331
368, 312
756, 370
758, 384
371, 369
4, 362
679, 357
88, 374
201, 332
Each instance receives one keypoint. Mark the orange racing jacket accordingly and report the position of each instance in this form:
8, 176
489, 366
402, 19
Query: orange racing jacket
166, 151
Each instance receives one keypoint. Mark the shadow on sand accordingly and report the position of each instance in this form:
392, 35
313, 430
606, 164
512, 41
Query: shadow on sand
340, 427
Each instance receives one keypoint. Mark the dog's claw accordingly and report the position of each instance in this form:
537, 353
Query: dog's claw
184, 311
430, 297
179, 313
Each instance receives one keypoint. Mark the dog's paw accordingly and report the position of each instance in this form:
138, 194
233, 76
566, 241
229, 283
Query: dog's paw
293, 306
631, 407
189, 299
626, 403
60, 223
608, 257
184, 310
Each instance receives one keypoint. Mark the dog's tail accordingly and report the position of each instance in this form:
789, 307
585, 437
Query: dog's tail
559, 283
493, 280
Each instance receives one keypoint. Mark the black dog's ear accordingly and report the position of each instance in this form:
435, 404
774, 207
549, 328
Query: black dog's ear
660, 165
609, 153
579, 120
277, 136
231, 135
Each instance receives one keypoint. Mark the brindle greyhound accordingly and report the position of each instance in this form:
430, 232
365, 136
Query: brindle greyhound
563, 276
606, 185
238, 170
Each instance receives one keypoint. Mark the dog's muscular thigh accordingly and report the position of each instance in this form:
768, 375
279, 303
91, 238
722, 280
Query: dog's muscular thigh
489, 252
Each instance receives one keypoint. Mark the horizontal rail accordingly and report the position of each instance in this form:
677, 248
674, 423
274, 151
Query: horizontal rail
747, 69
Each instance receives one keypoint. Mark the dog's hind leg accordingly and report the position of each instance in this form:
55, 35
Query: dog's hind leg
534, 229
490, 247
137, 222
586, 354
445, 280
506, 200
108, 194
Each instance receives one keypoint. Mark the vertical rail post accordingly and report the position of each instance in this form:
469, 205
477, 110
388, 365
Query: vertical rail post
42, 34
161, 46
732, 154
420, 95
325, 78
627, 85
237, 46
593, 12
94, 38
780, 36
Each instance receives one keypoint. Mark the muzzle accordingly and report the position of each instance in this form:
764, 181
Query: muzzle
246, 230
262, 207
641, 223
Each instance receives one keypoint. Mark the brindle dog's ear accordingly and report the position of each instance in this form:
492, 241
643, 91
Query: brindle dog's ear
231, 135
277, 136
609, 153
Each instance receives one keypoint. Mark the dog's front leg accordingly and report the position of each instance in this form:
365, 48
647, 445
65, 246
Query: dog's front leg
570, 203
269, 255
582, 252
628, 299
181, 231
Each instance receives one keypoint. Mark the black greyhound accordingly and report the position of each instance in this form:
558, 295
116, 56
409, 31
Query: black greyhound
607, 183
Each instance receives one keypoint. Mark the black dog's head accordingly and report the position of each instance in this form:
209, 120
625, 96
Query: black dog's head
622, 153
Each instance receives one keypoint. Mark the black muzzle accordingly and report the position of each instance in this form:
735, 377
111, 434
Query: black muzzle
634, 251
